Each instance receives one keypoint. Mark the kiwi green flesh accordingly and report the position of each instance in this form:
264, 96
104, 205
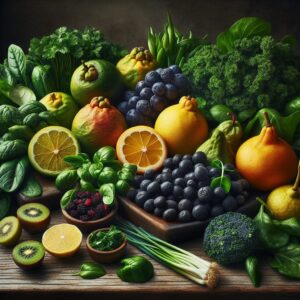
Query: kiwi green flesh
28, 253
9, 229
33, 212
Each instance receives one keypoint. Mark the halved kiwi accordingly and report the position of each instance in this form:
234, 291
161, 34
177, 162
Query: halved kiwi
34, 217
10, 231
28, 254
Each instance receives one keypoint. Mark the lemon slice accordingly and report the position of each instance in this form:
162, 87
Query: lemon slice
62, 240
48, 147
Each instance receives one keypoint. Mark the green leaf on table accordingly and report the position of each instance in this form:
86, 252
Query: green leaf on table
31, 188
91, 270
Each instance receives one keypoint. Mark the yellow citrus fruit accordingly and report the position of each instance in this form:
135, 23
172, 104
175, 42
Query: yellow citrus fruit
62, 240
143, 147
48, 147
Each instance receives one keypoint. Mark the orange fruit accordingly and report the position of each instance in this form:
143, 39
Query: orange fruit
143, 147
62, 240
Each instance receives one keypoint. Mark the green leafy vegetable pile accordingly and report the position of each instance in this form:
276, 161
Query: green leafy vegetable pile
245, 69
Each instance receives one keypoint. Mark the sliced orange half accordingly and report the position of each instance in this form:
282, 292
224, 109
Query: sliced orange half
143, 147
49, 146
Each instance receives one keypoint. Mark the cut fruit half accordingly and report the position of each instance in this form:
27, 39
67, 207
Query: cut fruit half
62, 240
10, 231
143, 147
48, 147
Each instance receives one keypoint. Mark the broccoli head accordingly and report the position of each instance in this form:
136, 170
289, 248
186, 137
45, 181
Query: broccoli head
230, 238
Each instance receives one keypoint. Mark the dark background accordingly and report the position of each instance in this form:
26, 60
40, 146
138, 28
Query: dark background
127, 22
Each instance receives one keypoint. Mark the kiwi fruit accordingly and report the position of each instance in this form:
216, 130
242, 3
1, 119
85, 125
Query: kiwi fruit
34, 217
10, 231
28, 254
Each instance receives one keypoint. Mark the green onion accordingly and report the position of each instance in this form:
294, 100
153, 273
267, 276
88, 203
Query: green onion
181, 261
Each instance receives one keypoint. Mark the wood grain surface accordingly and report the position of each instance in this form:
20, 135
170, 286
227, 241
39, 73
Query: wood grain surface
54, 280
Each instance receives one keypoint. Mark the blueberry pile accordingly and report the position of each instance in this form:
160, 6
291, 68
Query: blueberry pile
87, 206
182, 191
160, 89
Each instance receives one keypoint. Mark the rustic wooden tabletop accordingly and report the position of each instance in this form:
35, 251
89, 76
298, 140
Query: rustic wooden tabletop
54, 280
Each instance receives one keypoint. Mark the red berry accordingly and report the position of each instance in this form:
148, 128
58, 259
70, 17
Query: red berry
88, 202
91, 213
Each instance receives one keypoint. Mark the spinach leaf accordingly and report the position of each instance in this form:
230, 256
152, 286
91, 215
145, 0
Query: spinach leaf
12, 174
16, 60
290, 226
253, 271
6, 76
91, 270
5, 204
287, 260
32, 107
31, 188
42, 80
12, 149
76, 161
20, 95
9, 115
67, 197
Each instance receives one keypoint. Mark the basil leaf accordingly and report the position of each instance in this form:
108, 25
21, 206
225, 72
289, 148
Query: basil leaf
78, 160
108, 193
12, 174
290, 226
223, 182
91, 270
31, 188
287, 260
12, 149
66, 180
16, 60
217, 164
67, 197
5, 204
20, 95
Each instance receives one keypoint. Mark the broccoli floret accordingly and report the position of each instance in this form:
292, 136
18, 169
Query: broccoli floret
259, 72
230, 238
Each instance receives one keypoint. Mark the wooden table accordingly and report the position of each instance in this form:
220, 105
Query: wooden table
55, 281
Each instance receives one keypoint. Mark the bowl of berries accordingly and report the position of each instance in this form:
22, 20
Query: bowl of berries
88, 212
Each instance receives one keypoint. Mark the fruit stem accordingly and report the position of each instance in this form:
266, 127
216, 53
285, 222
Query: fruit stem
232, 116
267, 120
297, 181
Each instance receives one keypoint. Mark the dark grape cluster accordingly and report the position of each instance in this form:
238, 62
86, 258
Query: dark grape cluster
160, 89
182, 191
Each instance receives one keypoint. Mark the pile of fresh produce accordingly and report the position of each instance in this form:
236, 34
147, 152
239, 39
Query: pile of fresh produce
186, 131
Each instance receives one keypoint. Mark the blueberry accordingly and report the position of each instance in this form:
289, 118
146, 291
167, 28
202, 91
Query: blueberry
190, 176
187, 157
158, 178
132, 193
186, 166
152, 77
177, 173
158, 89
157, 103
201, 173
245, 194
128, 94
177, 159
181, 82
158, 212
153, 188
229, 203
144, 184
200, 212
172, 204
229, 167
166, 177
214, 172
196, 202
185, 216
139, 86
180, 181
192, 183
240, 200
170, 214
199, 157
149, 206
133, 101
216, 200
244, 183
236, 188
175, 69
150, 174
166, 188
143, 106
141, 198
167, 75
146, 93
166, 170
185, 204
133, 117
234, 175
177, 192
159, 70
168, 163
171, 91
199, 165
205, 194
190, 193
216, 210
219, 192
123, 107
137, 180
160, 202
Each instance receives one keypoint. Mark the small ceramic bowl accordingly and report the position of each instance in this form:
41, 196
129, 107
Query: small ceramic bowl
88, 226
105, 256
